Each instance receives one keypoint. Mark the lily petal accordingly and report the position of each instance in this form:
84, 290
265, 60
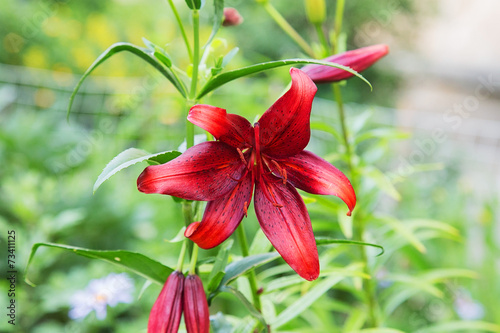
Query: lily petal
284, 127
359, 60
313, 174
222, 216
288, 227
204, 172
226, 127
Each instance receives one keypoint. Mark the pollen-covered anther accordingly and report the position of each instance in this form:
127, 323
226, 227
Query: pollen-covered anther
242, 156
245, 208
281, 171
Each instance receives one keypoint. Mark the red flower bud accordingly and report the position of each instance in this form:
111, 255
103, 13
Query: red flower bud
359, 60
166, 313
231, 17
196, 313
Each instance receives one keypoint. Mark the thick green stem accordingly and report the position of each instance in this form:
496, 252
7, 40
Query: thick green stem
251, 275
288, 29
181, 27
196, 53
194, 260
180, 261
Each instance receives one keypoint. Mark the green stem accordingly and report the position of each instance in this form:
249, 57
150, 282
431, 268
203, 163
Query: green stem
322, 39
251, 275
181, 27
288, 29
196, 53
187, 211
180, 261
339, 15
340, 106
194, 260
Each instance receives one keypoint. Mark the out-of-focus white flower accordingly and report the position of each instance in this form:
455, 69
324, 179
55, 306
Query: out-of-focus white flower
99, 293
466, 308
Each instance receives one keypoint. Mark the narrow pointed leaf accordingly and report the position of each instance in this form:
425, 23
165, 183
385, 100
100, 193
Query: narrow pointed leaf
133, 261
253, 311
327, 241
226, 77
130, 157
240, 267
461, 326
304, 302
220, 263
138, 51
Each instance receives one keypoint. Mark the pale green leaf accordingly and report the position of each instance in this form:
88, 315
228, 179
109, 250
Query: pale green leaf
127, 158
223, 78
458, 326
133, 261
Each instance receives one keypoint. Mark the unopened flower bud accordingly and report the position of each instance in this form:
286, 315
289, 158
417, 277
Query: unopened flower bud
231, 17
196, 313
359, 60
316, 11
166, 313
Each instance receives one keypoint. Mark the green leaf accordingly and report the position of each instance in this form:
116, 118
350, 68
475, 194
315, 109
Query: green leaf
326, 241
378, 330
382, 181
179, 237
138, 51
218, 272
195, 4
240, 267
253, 311
403, 231
130, 157
226, 77
458, 326
305, 301
133, 261
382, 133
345, 223
218, 18
322, 126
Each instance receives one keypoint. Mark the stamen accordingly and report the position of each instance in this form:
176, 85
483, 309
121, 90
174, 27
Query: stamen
241, 156
245, 208
284, 176
281, 171
267, 194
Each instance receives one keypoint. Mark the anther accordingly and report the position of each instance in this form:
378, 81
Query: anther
245, 208
284, 176
241, 156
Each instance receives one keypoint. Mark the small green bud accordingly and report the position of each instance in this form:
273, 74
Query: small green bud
316, 11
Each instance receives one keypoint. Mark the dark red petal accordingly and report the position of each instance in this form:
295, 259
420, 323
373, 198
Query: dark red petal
284, 127
313, 174
204, 172
196, 314
166, 313
288, 227
359, 60
222, 216
226, 127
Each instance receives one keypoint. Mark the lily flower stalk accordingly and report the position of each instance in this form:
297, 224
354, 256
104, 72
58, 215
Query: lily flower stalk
359, 60
268, 157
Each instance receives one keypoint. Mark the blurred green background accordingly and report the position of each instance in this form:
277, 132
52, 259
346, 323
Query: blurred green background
48, 165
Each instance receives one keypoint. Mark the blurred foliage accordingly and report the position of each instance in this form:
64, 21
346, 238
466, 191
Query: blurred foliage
50, 166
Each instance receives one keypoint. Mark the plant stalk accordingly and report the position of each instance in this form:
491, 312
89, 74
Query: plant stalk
181, 27
251, 275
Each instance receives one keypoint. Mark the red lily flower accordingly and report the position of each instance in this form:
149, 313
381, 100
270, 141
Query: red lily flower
195, 305
165, 315
269, 155
359, 60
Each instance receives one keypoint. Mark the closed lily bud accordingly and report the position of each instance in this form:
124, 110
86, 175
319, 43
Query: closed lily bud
316, 11
166, 313
359, 60
196, 313
231, 17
